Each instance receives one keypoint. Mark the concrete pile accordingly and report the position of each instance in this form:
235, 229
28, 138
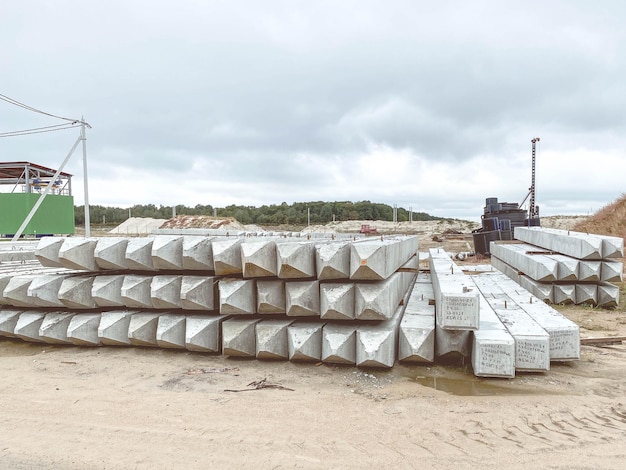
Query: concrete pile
500, 327
563, 267
354, 302
308, 300
466, 325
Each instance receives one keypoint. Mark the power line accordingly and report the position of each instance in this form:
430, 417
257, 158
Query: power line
39, 130
30, 108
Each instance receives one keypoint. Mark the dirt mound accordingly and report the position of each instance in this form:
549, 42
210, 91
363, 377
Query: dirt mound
203, 221
137, 226
610, 220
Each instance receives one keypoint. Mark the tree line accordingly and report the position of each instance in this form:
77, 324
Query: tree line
299, 213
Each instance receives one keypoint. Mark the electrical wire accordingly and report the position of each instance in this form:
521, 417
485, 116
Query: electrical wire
39, 130
70, 124
30, 108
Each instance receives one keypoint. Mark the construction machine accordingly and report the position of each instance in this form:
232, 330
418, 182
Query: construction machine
533, 210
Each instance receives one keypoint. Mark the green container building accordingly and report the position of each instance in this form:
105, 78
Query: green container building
28, 181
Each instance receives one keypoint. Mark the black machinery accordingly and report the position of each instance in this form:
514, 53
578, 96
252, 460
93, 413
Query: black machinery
499, 219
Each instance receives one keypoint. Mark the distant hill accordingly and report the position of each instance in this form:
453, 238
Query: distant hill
610, 220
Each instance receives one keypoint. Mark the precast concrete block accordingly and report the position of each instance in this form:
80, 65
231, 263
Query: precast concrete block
227, 256
457, 303
199, 293
527, 259
135, 291
106, 290
416, 335
586, 294
564, 333
611, 271
75, 292
612, 247
567, 268
543, 291
8, 321
493, 354
110, 252
78, 253
237, 296
16, 291
239, 337
337, 300
608, 295
589, 271
165, 291
270, 297
44, 290
113, 328
416, 338
532, 342
171, 331
564, 294
53, 328
83, 329
167, 252
332, 261
305, 341
271, 339
142, 328
378, 259
198, 253
47, 251
377, 343
28, 324
562, 241
452, 345
203, 333
339, 343
302, 298
139, 254
258, 259
295, 260
378, 300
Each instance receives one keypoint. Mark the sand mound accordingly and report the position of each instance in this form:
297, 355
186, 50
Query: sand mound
610, 220
208, 222
137, 226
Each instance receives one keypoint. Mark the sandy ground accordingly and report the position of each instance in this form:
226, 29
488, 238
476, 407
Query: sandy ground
133, 408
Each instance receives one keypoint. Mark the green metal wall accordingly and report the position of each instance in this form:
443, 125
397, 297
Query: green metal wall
54, 216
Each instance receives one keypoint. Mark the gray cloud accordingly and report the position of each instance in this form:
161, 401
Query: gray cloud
289, 96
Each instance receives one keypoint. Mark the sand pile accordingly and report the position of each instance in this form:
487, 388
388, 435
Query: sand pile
610, 220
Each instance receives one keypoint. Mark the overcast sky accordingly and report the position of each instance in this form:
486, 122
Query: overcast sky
429, 105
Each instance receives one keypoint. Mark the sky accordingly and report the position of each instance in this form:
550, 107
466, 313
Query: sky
428, 105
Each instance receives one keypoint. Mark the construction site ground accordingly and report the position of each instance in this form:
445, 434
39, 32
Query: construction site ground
140, 408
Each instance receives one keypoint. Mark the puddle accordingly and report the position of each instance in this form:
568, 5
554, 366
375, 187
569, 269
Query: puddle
471, 386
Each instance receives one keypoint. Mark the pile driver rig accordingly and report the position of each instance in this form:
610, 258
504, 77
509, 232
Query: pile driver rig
533, 210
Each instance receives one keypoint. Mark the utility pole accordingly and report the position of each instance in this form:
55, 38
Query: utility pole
83, 137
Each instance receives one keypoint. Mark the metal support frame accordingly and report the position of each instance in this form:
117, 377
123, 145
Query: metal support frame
43, 195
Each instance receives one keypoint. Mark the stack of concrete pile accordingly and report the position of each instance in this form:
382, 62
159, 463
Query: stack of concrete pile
322, 300
561, 266
542, 334
504, 328
466, 325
